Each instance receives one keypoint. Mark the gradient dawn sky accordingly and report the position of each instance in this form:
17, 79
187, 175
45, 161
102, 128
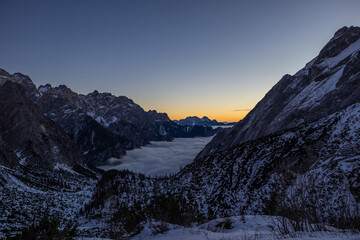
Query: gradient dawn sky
185, 57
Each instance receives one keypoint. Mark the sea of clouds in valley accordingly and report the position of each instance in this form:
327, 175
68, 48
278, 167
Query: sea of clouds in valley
160, 158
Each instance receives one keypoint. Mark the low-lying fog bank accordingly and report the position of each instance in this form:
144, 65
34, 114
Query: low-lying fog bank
160, 158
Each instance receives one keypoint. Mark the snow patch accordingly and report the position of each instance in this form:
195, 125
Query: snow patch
21, 157
332, 62
311, 95
43, 89
59, 166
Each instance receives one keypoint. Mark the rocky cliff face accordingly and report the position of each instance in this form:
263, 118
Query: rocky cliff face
327, 84
97, 143
124, 117
35, 139
116, 116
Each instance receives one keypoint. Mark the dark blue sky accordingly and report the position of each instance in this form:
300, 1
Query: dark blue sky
182, 57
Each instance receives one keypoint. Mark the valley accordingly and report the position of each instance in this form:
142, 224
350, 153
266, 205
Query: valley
99, 165
160, 158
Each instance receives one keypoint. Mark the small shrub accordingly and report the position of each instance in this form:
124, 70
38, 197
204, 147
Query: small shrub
159, 228
175, 210
226, 224
130, 217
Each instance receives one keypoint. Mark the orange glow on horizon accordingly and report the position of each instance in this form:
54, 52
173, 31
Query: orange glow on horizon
215, 109
234, 116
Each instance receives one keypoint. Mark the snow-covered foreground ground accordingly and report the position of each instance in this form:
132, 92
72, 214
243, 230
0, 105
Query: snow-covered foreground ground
161, 158
254, 227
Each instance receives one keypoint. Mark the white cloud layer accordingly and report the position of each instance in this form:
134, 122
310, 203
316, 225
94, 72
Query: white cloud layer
160, 158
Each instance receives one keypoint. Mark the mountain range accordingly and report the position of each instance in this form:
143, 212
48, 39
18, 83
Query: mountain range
204, 121
101, 124
296, 154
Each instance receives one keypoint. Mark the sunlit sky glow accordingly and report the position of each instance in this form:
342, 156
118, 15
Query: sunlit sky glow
185, 58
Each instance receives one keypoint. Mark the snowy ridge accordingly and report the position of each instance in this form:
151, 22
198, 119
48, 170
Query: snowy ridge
30, 192
332, 62
245, 170
325, 85
313, 93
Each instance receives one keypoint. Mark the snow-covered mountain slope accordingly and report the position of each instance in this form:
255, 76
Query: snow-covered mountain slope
249, 227
28, 193
42, 172
321, 158
327, 84
314, 167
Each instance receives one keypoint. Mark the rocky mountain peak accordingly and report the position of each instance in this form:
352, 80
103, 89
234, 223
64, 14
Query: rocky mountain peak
158, 116
342, 39
21, 79
31, 135
4, 74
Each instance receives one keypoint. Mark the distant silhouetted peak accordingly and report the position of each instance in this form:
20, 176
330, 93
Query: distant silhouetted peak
4, 73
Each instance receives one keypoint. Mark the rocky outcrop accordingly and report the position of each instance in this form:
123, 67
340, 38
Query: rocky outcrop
343, 38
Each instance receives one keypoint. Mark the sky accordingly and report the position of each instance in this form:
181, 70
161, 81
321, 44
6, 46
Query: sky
185, 57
